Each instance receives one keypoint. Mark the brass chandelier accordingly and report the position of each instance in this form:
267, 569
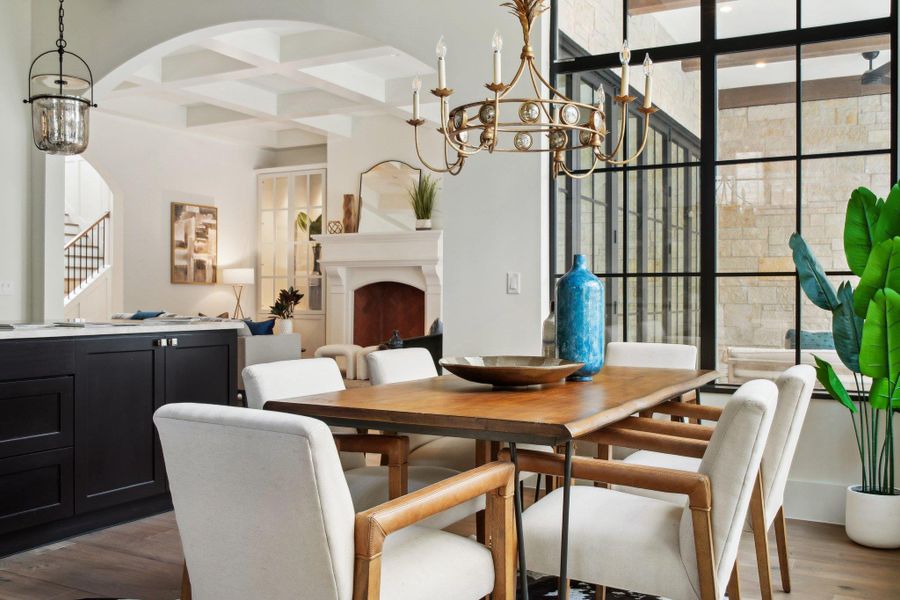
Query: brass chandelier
568, 125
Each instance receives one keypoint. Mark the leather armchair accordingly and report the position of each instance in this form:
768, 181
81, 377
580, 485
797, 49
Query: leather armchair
264, 511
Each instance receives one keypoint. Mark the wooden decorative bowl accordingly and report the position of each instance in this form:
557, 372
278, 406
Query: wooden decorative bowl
510, 371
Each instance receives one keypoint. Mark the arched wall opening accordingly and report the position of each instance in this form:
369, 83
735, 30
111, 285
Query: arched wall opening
485, 214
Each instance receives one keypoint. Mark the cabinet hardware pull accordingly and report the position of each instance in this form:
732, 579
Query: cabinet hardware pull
162, 342
173, 341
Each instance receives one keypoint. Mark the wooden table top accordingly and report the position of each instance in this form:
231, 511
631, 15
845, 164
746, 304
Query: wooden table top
548, 414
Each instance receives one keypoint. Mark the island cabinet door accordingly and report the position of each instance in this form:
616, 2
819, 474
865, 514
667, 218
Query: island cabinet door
120, 382
200, 367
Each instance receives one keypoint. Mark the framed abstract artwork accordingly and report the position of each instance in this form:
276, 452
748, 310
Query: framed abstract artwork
195, 234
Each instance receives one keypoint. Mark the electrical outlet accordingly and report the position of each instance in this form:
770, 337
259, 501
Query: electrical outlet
513, 283
6, 288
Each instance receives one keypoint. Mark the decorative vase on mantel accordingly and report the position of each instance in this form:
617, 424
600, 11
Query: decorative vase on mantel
423, 224
580, 319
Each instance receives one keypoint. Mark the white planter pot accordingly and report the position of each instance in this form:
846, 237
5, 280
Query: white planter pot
423, 224
284, 326
873, 520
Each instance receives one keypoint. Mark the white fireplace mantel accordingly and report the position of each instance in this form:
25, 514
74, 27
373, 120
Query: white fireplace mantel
353, 260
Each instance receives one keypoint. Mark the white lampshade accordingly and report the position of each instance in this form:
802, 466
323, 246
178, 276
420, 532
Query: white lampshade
238, 276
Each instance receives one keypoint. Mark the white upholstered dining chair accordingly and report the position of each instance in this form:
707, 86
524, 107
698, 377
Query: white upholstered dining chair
795, 387
649, 545
369, 485
264, 511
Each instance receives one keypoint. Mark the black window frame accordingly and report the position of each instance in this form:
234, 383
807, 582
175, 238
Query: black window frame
708, 49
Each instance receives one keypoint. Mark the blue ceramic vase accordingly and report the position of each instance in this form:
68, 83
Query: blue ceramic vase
580, 319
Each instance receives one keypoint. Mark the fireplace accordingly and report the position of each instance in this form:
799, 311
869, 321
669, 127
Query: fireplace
379, 308
377, 282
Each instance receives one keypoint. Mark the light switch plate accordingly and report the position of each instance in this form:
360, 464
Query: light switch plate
6, 288
513, 283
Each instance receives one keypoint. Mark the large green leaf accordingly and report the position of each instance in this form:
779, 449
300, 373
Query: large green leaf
846, 327
812, 276
829, 380
859, 228
888, 226
880, 353
882, 271
881, 390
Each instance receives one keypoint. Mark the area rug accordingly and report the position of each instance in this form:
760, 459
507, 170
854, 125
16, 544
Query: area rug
547, 588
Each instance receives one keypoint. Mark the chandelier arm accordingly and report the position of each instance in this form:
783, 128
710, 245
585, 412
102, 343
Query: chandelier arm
553, 91
537, 91
457, 163
422, 159
515, 79
622, 128
565, 169
640, 149
461, 150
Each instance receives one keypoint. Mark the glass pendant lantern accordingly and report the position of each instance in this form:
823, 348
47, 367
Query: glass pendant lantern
60, 112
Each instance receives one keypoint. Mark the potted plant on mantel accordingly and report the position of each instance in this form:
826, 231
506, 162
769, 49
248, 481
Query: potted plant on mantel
866, 329
422, 197
283, 310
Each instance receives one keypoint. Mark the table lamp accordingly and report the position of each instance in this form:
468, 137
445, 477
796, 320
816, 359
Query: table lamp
238, 278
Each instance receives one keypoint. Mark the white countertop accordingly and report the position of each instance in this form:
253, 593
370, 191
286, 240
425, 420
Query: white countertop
32, 331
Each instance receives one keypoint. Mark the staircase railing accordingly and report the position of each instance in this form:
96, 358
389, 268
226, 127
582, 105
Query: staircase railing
85, 255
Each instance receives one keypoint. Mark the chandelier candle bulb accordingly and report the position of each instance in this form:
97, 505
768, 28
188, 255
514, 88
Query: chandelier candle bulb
624, 58
648, 82
497, 45
441, 51
416, 86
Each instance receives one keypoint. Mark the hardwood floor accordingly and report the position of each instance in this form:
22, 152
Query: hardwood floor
143, 560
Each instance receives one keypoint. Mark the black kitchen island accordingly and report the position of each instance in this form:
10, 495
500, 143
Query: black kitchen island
78, 449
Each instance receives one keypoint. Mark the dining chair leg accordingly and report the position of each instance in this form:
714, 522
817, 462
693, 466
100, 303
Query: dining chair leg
781, 542
760, 538
734, 584
564, 550
599, 592
537, 487
604, 452
482, 457
520, 538
185, 583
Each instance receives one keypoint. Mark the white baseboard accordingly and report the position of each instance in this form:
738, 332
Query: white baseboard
815, 501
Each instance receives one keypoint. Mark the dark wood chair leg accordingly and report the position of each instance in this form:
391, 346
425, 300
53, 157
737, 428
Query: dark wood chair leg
537, 487
781, 542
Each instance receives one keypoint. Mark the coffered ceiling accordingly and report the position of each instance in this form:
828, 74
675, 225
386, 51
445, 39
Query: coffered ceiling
273, 87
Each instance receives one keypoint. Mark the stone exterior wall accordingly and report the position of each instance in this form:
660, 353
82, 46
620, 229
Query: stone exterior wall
757, 206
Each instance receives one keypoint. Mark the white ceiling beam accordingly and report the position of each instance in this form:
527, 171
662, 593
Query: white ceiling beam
200, 64
326, 47
350, 77
258, 43
238, 96
312, 103
204, 115
341, 125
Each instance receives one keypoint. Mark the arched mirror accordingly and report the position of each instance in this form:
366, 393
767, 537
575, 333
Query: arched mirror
384, 198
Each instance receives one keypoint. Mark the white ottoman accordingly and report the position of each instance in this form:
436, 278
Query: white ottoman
362, 365
345, 351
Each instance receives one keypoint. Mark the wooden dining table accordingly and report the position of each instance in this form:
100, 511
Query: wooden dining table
553, 415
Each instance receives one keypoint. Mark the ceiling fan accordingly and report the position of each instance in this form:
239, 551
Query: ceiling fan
873, 76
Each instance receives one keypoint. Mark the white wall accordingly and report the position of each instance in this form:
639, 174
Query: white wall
15, 157
496, 208
87, 194
151, 167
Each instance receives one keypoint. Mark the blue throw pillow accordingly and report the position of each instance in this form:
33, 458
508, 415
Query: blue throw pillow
262, 327
146, 314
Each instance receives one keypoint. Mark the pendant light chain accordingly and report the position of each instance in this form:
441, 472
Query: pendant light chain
61, 42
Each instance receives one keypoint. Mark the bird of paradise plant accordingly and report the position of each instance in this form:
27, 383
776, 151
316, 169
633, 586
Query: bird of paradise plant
866, 327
